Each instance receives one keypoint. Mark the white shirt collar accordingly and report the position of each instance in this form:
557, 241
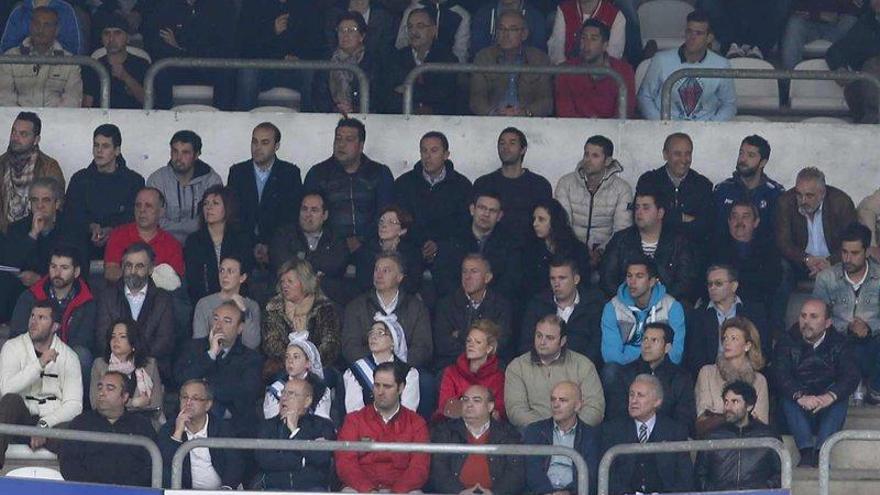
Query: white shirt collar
202, 433
388, 309
479, 431
390, 417
858, 285
140, 293
649, 423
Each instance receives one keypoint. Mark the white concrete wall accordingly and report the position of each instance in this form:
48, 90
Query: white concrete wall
848, 154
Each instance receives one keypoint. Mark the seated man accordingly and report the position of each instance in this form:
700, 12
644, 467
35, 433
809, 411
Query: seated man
809, 220
453, 30
231, 369
692, 98
530, 378
231, 279
40, 378
850, 289
647, 473
754, 469
815, 373
588, 96
484, 24
91, 462
570, 19
555, 474
511, 94
40, 85
205, 469
454, 473
127, 71
70, 36
811, 21
385, 421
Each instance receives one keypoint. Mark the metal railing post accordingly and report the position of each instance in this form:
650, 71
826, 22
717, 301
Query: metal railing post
327, 446
409, 81
258, 64
818, 75
103, 73
94, 437
828, 446
695, 445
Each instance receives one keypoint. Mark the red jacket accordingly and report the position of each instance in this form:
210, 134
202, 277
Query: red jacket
369, 471
458, 377
574, 20
83, 296
585, 97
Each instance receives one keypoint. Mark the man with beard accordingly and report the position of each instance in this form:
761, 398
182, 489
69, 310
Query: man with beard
749, 183
20, 165
851, 289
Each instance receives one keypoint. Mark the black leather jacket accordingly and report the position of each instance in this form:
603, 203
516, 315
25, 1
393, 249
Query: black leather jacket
738, 469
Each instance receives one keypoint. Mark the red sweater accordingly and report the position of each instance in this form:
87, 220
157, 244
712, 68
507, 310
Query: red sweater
586, 97
458, 377
167, 248
369, 471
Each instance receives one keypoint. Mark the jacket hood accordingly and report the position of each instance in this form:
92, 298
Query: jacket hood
614, 168
201, 171
489, 368
657, 293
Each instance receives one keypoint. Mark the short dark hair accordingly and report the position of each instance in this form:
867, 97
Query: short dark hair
602, 141
732, 272
700, 15
404, 217
487, 193
141, 247
746, 204
209, 391
135, 339
355, 17
230, 204
676, 135
760, 143
318, 194
62, 250
428, 10
47, 304
272, 127
654, 193
856, 232
188, 137
555, 320
592, 22
238, 258
436, 134
34, 119
155, 190
354, 123
129, 386
560, 261
668, 332
742, 389
45, 10
396, 368
109, 131
648, 263
231, 305
519, 134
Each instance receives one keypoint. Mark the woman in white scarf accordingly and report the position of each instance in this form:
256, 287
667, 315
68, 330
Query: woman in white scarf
302, 360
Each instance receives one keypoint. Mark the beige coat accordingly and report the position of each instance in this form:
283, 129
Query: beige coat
610, 207
30, 85
710, 385
869, 215
535, 91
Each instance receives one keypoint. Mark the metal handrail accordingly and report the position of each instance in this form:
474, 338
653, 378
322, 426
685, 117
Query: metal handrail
818, 75
695, 445
427, 448
103, 73
622, 97
828, 446
241, 63
94, 437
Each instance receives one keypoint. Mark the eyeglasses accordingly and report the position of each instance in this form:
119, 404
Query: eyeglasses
382, 221
293, 393
716, 283
348, 30
378, 333
187, 398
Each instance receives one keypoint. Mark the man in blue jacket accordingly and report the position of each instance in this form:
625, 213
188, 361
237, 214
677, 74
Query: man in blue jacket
69, 33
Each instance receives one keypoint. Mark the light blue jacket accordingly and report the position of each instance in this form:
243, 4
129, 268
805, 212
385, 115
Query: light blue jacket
831, 286
18, 26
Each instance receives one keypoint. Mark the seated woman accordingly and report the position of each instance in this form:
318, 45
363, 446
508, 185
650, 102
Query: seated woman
121, 353
386, 345
739, 359
553, 237
343, 85
477, 365
301, 360
392, 227
218, 236
300, 310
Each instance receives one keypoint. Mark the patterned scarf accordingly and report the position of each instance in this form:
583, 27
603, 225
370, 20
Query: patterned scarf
144, 382
19, 173
341, 81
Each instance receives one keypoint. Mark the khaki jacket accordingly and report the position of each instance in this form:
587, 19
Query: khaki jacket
535, 90
34, 85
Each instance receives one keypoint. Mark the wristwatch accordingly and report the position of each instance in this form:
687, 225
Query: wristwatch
42, 424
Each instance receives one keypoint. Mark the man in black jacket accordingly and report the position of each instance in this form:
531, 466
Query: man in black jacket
815, 373
858, 50
454, 473
755, 469
220, 468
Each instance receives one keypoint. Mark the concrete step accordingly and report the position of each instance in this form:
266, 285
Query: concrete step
843, 481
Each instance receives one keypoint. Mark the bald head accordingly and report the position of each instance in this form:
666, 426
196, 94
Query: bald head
566, 401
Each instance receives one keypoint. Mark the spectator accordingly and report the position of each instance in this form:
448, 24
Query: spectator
232, 276
355, 186
649, 473
567, 38
301, 361
739, 469
385, 346
311, 239
750, 184
301, 311
183, 182
70, 35
433, 93
219, 235
486, 20
815, 374
392, 236
563, 428
266, 187
102, 195
530, 378
203, 468
477, 366
23, 162
453, 29
692, 98
454, 473
552, 238
511, 94
291, 469
231, 369
519, 188
589, 96
38, 85
42, 389
382, 21
810, 21
649, 238
343, 86
149, 206
808, 234
127, 70
746, 28
581, 310
858, 50
385, 421
869, 216
125, 352
435, 194
740, 359
136, 297
595, 197
474, 301
849, 289
131, 12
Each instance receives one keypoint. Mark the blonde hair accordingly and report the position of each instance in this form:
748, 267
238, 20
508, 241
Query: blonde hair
750, 332
490, 329
304, 273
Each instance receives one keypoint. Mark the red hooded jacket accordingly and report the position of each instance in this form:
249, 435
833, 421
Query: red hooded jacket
458, 377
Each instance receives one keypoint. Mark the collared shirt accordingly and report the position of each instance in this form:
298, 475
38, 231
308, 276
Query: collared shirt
649, 423
561, 472
387, 419
565, 313
821, 339
204, 476
390, 307
262, 176
433, 181
479, 431
136, 300
725, 315
420, 61
313, 239
816, 245
473, 304
675, 180
858, 285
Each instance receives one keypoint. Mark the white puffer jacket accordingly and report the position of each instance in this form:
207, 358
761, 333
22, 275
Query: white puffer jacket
609, 211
